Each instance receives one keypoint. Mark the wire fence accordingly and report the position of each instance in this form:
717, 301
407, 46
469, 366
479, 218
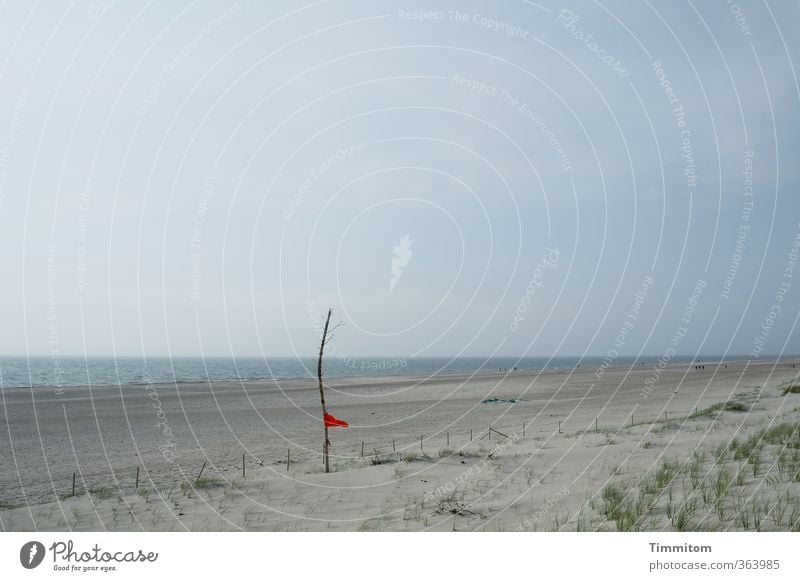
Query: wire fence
370, 450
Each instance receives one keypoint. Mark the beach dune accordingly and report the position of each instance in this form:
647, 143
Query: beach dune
583, 449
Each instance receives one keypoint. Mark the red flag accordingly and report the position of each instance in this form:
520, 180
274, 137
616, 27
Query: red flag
332, 422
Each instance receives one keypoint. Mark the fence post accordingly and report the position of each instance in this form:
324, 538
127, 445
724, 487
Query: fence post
201, 471
242, 464
523, 430
559, 426
420, 442
448, 438
288, 458
362, 448
470, 434
490, 431
137, 477
73, 484
394, 448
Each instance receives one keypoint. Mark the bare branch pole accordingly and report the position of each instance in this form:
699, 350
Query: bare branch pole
324, 341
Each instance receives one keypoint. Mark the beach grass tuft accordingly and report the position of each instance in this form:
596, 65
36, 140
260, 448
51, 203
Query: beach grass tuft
102, 492
718, 408
203, 483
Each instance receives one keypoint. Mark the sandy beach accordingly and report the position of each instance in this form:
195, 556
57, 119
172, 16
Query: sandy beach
567, 450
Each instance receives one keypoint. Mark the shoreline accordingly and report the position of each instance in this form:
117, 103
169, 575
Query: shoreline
357, 379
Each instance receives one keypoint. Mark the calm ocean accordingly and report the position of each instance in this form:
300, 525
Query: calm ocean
79, 371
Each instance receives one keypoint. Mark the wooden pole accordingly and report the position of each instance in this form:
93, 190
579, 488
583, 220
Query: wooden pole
470, 434
362, 448
448, 438
288, 458
325, 442
201, 472
523, 430
73, 484
137, 477
559, 426
595, 425
490, 431
242, 464
420, 442
394, 448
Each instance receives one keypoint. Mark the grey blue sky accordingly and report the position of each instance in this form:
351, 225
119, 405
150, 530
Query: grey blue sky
472, 178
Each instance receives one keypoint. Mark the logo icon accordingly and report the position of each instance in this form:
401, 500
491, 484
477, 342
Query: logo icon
402, 256
31, 554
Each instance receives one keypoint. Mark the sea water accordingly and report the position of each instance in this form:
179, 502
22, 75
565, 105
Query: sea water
83, 371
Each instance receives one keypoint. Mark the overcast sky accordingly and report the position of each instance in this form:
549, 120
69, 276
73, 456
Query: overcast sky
490, 178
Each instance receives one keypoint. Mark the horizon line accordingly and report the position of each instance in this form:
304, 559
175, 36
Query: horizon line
742, 356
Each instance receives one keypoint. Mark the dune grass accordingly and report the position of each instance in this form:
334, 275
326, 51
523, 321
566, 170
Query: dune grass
203, 483
712, 489
718, 408
102, 492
